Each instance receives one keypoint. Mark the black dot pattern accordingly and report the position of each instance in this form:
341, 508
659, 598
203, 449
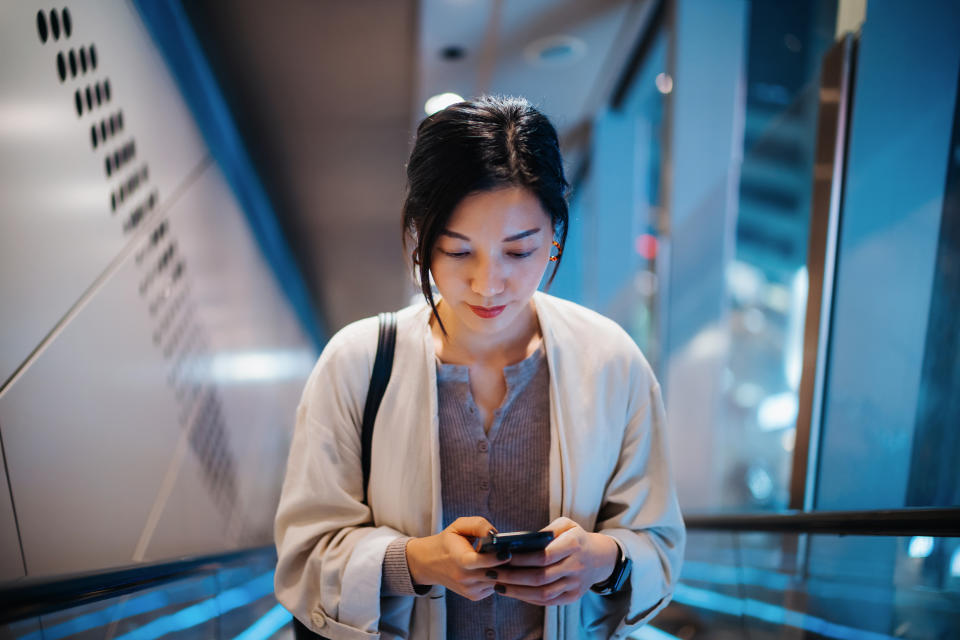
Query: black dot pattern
42, 27
55, 25
164, 284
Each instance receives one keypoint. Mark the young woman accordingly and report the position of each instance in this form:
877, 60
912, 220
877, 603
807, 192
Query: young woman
508, 409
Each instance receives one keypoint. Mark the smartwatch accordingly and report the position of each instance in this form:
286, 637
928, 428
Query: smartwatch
621, 571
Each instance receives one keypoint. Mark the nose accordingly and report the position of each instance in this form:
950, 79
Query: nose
488, 279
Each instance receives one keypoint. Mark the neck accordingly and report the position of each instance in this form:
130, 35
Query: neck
508, 344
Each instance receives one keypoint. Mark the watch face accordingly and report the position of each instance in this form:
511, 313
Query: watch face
624, 574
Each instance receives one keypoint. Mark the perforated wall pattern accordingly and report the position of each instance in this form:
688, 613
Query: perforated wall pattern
131, 290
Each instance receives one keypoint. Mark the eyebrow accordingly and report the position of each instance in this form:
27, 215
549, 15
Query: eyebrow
516, 236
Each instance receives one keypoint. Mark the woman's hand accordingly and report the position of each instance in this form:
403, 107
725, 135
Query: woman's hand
561, 573
448, 559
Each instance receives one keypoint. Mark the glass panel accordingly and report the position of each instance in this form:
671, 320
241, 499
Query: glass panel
755, 585
614, 207
891, 407
635, 303
742, 160
936, 442
766, 279
713, 292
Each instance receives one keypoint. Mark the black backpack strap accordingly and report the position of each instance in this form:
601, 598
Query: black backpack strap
382, 367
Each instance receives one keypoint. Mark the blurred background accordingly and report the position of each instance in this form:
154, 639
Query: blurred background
197, 195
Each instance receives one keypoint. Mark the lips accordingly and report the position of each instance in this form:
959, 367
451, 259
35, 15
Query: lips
487, 312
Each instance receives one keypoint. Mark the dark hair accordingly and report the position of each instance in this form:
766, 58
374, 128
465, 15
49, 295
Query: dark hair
488, 143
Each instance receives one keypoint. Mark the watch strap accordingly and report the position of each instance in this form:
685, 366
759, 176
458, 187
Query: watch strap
621, 571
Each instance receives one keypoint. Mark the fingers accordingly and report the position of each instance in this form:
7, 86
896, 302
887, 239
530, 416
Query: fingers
568, 539
473, 526
466, 556
532, 559
479, 592
473, 560
475, 585
549, 577
531, 577
560, 525
563, 546
563, 591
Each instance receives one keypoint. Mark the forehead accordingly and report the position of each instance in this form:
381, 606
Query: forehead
507, 209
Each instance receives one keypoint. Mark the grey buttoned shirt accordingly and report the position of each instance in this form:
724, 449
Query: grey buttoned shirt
500, 475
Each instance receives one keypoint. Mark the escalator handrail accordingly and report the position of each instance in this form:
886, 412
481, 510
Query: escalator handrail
31, 597
934, 521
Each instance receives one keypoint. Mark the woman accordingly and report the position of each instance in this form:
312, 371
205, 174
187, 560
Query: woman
508, 409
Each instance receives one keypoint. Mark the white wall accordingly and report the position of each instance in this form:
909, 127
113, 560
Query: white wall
149, 363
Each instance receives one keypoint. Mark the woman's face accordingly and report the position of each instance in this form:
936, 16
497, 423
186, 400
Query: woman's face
490, 258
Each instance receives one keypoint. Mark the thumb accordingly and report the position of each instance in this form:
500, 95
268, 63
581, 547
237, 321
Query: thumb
560, 525
473, 526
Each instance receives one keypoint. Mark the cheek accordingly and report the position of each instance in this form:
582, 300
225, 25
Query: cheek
532, 273
525, 275
445, 275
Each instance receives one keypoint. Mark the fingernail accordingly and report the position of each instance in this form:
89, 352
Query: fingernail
492, 575
503, 554
500, 588
492, 532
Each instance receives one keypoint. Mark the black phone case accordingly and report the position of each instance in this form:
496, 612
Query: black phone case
519, 542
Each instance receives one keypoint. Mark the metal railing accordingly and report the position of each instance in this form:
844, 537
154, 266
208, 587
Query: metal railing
935, 522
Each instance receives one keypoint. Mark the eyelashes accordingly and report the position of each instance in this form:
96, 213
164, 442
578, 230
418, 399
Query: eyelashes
464, 254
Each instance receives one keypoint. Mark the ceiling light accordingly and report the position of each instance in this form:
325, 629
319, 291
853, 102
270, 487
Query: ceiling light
441, 101
778, 411
555, 51
920, 547
664, 83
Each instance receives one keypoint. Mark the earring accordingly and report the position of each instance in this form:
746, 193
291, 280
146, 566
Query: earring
559, 252
416, 262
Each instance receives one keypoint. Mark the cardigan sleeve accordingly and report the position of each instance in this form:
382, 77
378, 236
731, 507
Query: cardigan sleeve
326, 544
641, 512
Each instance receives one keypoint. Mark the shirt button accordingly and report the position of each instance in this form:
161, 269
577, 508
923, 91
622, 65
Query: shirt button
318, 620
490, 633
483, 446
484, 485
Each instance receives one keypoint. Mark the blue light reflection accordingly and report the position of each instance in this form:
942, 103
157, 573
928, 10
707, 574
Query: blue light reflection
269, 624
706, 599
204, 611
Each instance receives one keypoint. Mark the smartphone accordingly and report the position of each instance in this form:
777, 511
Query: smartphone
514, 542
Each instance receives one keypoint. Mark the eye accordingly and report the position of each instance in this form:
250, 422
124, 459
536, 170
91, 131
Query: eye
520, 255
455, 254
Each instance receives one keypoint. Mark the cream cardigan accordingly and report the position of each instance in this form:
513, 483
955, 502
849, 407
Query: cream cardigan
608, 472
